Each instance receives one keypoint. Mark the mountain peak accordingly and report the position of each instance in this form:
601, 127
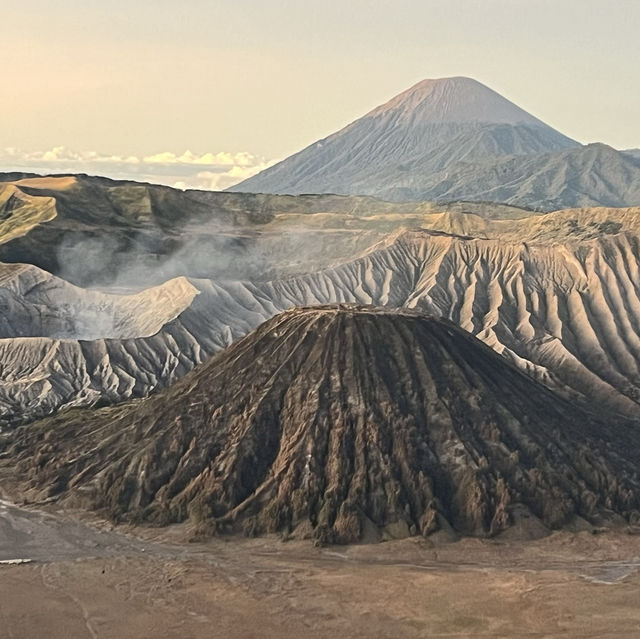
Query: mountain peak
397, 150
456, 100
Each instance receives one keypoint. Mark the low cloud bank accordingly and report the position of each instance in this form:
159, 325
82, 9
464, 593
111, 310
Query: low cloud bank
211, 171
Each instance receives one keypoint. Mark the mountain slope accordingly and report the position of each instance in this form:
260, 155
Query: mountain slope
99, 232
454, 100
433, 125
36, 304
341, 423
634, 153
567, 314
455, 139
593, 175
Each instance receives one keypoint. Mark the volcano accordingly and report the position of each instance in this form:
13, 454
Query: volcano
433, 125
340, 423
454, 139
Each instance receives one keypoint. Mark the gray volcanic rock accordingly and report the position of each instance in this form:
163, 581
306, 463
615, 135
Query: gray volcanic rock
568, 314
340, 423
433, 125
34, 303
634, 153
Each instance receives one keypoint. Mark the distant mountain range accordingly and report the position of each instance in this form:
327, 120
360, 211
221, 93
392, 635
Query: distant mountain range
456, 139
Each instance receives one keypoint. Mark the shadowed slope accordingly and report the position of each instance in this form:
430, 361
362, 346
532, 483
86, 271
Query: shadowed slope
592, 175
342, 423
97, 232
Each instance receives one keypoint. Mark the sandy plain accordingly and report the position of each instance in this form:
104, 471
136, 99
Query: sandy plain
85, 579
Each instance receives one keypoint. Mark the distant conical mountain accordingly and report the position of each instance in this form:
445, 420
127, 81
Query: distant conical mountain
341, 423
449, 139
428, 127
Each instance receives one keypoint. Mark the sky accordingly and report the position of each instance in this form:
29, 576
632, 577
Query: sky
206, 92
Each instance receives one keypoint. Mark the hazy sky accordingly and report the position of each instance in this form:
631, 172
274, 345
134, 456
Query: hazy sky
138, 78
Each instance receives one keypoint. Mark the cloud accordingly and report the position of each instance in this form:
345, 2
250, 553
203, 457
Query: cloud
219, 181
206, 159
188, 170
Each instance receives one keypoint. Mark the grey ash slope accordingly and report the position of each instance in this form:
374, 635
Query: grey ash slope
340, 423
449, 139
34, 303
568, 314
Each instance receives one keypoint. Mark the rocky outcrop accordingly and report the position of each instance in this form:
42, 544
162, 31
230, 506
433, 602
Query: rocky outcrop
340, 423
